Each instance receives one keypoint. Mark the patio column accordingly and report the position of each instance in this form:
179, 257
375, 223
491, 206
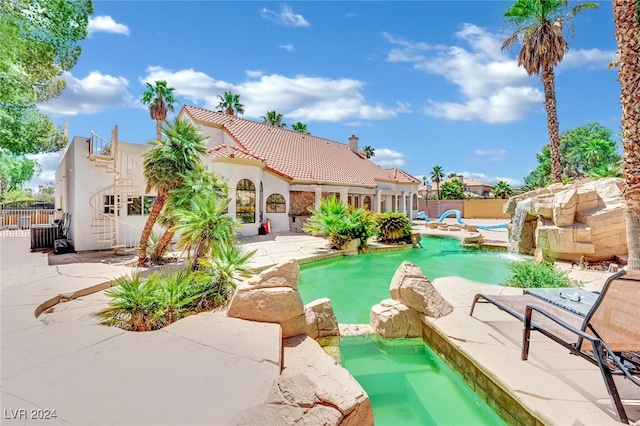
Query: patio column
318, 197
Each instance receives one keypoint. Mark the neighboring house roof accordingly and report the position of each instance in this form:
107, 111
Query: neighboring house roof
299, 157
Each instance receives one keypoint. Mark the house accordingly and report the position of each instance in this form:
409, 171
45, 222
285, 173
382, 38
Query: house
470, 187
273, 174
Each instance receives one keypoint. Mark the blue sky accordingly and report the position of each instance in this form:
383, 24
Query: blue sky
425, 83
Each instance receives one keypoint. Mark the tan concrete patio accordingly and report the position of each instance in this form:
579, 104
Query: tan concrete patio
206, 368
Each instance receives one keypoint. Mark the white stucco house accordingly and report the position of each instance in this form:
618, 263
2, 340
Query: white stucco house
273, 174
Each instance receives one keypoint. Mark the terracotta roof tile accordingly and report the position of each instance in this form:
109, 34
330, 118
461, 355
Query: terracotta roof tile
302, 158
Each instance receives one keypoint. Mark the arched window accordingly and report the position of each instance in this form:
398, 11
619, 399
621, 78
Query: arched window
246, 201
367, 202
276, 204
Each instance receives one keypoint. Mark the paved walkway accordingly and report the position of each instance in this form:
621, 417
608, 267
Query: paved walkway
205, 368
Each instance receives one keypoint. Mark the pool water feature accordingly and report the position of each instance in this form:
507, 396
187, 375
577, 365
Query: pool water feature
355, 284
408, 384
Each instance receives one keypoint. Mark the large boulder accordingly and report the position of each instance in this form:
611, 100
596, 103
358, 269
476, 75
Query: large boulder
410, 287
311, 390
392, 319
573, 222
273, 296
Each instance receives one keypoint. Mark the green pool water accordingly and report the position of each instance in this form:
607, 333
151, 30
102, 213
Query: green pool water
408, 384
355, 284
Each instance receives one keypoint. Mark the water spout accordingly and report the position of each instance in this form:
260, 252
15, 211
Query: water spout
517, 223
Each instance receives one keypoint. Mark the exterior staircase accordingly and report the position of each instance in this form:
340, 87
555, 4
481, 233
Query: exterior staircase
108, 204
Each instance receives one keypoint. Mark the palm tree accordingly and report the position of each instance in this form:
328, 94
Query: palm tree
437, 174
160, 99
194, 182
625, 17
369, 151
204, 226
273, 119
230, 104
539, 24
166, 164
300, 127
502, 189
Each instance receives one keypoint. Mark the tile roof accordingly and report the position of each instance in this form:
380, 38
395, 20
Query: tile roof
301, 158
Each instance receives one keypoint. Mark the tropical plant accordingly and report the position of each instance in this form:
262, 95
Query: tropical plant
159, 97
340, 223
152, 244
134, 303
538, 275
204, 226
539, 27
393, 227
230, 104
143, 304
452, 190
164, 166
39, 43
195, 181
625, 16
300, 127
452, 175
437, 174
582, 150
502, 189
273, 119
229, 262
369, 151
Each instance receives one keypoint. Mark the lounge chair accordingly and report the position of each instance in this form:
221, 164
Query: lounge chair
607, 336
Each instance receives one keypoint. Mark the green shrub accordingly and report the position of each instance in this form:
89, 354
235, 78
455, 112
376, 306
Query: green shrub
393, 227
143, 304
341, 223
529, 274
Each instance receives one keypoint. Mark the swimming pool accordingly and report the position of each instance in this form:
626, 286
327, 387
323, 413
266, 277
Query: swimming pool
355, 284
408, 384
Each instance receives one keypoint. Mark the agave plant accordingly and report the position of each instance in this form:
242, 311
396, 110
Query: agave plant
393, 226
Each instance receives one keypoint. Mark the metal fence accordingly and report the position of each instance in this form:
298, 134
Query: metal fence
17, 223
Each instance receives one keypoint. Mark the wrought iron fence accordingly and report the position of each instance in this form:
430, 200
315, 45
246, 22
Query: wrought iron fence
16, 223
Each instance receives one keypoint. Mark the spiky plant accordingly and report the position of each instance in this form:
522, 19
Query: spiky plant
393, 226
134, 303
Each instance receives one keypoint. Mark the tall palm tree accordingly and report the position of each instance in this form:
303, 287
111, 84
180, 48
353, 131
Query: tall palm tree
273, 119
369, 151
230, 104
437, 174
539, 25
159, 97
502, 189
165, 165
300, 127
625, 16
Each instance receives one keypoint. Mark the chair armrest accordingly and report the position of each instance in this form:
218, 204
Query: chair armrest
528, 324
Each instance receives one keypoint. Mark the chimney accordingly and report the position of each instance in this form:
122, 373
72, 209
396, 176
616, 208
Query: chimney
353, 143
461, 179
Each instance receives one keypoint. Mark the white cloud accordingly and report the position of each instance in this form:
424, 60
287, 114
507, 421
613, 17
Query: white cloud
287, 47
491, 154
505, 106
491, 180
286, 17
385, 157
49, 163
298, 98
106, 24
587, 58
492, 88
90, 95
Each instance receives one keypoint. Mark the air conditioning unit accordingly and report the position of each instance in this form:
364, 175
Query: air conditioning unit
43, 236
